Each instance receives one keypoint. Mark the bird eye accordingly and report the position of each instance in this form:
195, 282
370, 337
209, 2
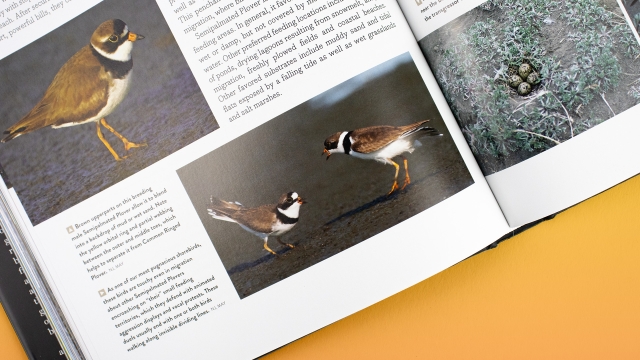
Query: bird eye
289, 199
113, 38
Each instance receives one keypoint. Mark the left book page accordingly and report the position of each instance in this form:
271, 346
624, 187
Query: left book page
165, 168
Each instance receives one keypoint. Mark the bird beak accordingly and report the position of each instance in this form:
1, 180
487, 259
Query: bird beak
134, 37
326, 152
300, 201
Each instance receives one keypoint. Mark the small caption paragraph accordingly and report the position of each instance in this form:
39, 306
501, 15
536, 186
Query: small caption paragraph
148, 305
18, 15
248, 48
435, 8
105, 239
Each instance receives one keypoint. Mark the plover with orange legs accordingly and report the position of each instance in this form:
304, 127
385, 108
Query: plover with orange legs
262, 221
88, 87
380, 143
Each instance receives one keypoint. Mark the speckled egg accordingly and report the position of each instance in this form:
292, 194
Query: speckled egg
533, 78
524, 88
524, 70
514, 81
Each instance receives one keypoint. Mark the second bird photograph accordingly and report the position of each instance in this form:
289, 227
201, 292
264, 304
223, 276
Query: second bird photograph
326, 175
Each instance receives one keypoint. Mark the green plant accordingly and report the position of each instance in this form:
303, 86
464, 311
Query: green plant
475, 72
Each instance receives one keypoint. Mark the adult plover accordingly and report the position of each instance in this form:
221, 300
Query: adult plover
380, 143
262, 221
88, 87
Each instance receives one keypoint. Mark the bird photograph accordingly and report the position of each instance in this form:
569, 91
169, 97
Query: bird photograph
384, 114
94, 101
88, 87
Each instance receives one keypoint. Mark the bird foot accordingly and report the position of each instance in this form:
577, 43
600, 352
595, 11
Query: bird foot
120, 158
407, 181
269, 249
394, 187
128, 145
284, 243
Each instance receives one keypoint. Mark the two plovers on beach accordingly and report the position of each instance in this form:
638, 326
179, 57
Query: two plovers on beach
88, 87
262, 221
381, 143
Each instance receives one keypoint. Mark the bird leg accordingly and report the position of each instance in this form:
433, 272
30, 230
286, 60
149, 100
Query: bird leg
104, 141
127, 144
407, 179
394, 187
284, 243
268, 249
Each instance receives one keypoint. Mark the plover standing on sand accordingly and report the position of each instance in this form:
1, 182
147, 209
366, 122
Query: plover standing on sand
380, 143
262, 221
88, 87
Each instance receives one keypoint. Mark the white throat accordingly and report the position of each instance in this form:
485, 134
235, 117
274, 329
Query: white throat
122, 53
340, 148
292, 211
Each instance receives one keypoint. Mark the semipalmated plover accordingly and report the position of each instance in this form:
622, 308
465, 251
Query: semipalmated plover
380, 143
262, 221
88, 87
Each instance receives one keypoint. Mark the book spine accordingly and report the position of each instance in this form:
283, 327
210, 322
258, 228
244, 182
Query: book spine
23, 257
23, 309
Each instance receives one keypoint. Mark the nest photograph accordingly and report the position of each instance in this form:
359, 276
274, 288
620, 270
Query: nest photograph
524, 76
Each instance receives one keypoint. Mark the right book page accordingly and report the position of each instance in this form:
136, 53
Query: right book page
544, 92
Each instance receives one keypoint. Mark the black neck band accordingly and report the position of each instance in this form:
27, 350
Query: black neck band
118, 69
346, 143
285, 219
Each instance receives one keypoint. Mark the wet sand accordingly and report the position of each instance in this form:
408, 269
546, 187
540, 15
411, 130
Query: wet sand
346, 197
54, 169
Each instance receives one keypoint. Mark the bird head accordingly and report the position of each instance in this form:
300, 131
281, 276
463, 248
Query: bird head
290, 203
113, 40
332, 144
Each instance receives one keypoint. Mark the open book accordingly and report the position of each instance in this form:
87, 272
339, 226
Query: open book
221, 177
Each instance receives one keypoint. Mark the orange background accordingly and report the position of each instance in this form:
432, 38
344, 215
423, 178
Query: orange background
567, 289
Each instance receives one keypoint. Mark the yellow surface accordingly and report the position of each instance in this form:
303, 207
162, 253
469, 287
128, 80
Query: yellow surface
10, 348
567, 289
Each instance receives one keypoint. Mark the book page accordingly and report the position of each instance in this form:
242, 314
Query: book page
545, 93
219, 178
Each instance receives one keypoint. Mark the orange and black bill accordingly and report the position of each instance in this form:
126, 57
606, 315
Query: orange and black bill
134, 37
